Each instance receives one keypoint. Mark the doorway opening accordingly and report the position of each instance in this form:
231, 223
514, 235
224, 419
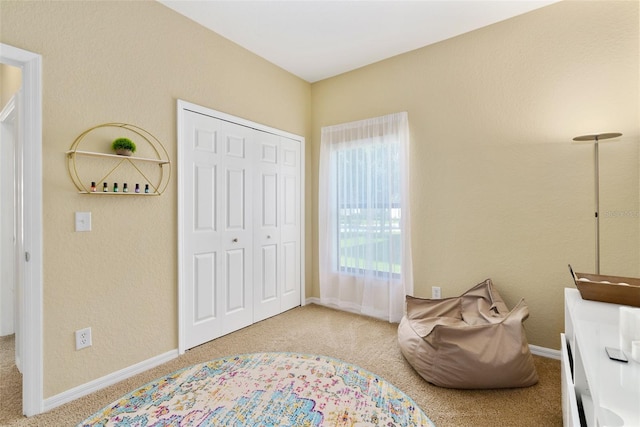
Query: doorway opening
27, 137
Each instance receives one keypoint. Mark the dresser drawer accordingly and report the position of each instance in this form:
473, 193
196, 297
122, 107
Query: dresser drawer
570, 415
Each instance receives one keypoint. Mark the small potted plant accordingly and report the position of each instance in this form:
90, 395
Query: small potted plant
123, 146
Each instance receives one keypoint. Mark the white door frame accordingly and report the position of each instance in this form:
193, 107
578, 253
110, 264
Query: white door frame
31, 145
8, 131
184, 105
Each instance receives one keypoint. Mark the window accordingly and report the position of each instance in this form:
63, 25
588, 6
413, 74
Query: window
364, 236
367, 188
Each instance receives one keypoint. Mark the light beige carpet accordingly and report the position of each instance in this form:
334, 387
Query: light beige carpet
368, 343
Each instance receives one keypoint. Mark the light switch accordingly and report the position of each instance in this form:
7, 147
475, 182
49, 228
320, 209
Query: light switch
83, 221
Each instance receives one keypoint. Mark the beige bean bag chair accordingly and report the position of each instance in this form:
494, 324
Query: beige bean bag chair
472, 341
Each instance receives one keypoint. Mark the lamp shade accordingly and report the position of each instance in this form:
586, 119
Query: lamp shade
597, 137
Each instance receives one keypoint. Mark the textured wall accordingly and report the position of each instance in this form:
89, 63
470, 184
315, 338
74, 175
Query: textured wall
498, 189
126, 62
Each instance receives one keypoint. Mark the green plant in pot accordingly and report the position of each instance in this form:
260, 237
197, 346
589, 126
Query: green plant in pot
123, 146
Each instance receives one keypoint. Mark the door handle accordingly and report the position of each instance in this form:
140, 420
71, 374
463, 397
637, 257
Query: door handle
235, 240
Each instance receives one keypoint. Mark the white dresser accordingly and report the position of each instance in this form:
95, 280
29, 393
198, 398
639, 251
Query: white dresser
596, 391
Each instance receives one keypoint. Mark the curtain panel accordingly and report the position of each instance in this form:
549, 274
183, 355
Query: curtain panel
364, 219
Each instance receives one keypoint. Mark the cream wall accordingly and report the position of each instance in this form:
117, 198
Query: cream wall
498, 189
126, 62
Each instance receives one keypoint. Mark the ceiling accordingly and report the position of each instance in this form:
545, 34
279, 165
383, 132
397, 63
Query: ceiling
317, 39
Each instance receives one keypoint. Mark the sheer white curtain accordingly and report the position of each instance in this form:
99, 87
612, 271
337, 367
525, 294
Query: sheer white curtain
364, 220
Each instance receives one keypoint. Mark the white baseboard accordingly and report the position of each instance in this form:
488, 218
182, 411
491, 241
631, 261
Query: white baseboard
544, 352
107, 380
312, 300
537, 350
351, 308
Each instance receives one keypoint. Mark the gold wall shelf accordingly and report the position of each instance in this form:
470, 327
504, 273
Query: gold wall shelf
94, 164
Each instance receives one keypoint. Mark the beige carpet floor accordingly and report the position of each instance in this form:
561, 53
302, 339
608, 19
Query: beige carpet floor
368, 343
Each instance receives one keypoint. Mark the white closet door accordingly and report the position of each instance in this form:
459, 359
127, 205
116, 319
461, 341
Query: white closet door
237, 235
267, 271
290, 222
240, 232
276, 225
216, 256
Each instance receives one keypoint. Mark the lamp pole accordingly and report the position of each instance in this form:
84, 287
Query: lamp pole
596, 138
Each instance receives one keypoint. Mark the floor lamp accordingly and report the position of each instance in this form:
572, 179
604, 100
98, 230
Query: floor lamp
597, 138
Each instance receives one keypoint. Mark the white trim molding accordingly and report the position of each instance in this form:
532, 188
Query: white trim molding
545, 352
107, 380
8, 260
30, 114
351, 308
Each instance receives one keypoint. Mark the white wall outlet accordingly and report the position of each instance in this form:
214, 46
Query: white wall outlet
435, 292
83, 338
83, 221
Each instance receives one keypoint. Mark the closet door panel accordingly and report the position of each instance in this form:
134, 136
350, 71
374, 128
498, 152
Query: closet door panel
267, 272
201, 248
268, 276
290, 260
236, 206
269, 200
205, 275
235, 200
269, 284
235, 281
290, 230
204, 185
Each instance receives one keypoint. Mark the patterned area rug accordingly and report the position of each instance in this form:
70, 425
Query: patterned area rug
264, 390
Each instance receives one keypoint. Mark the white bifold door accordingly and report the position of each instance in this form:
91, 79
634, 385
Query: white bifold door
240, 224
276, 225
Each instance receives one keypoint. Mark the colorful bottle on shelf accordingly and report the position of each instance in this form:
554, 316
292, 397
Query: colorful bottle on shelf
105, 188
137, 188
125, 189
93, 186
115, 187
146, 188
